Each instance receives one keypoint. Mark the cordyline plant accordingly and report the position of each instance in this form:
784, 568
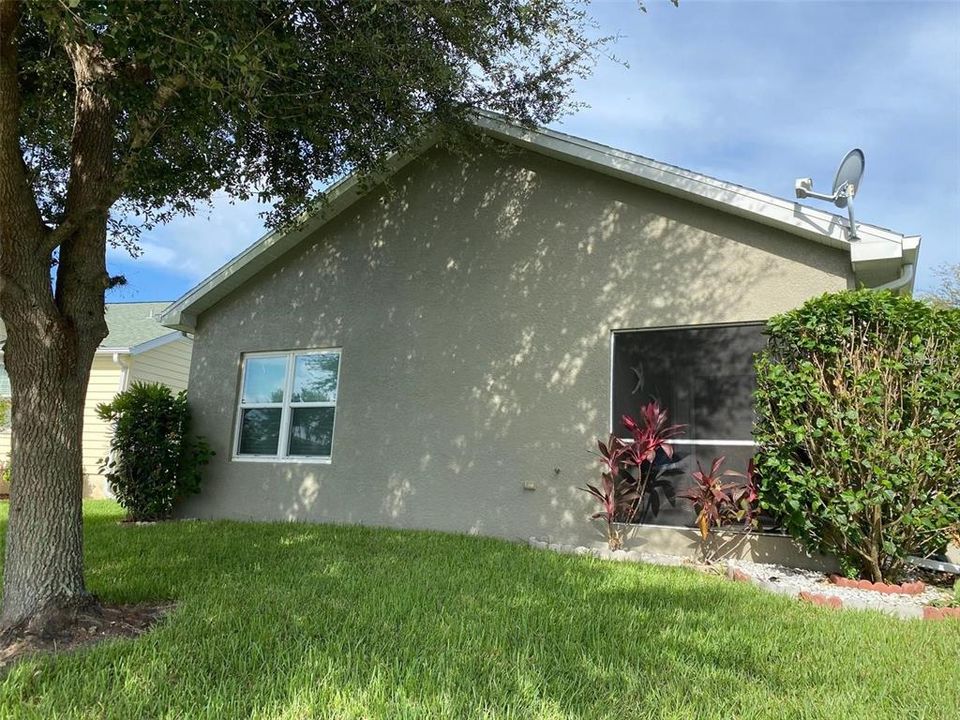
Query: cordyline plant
628, 466
720, 503
712, 498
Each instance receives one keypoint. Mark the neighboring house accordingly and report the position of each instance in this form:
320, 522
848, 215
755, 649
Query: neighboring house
445, 354
137, 348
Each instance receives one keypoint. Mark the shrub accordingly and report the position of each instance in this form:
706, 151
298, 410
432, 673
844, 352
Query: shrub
153, 460
858, 427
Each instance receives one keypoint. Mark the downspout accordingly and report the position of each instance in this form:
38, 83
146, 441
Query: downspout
904, 279
121, 361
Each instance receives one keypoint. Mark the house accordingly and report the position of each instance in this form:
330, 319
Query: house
442, 350
137, 348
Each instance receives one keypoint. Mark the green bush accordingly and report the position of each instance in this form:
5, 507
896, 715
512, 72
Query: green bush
153, 460
858, 426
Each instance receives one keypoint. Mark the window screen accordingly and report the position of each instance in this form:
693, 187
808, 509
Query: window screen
704, 377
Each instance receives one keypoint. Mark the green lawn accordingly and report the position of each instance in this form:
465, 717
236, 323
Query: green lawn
295, 621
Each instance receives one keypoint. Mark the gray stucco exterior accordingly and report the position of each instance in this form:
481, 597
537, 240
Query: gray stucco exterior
474, 305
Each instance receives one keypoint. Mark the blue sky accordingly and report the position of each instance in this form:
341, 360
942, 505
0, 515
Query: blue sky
757, 93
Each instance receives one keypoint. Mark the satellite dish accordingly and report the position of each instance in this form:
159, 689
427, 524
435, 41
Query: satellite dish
849, 173
845, 186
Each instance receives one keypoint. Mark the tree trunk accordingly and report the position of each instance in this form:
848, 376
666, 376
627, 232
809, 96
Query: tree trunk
52, 334
871, 565
43, 574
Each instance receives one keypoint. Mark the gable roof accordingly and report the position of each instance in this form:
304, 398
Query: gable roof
879, 256
130, 326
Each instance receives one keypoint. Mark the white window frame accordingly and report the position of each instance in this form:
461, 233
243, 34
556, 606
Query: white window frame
729, 442
286, 407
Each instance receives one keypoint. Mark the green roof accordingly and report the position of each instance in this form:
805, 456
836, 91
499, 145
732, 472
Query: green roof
130, 324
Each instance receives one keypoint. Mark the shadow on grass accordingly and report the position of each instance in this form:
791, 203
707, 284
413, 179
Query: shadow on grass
284, 620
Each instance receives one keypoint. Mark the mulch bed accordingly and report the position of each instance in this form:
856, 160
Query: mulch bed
111, 622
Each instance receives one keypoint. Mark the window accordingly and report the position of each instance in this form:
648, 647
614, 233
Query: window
703, 375
287, 405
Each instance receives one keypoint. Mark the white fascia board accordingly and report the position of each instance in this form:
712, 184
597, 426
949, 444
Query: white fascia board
157, 342
885, 246
112, 351
817, 225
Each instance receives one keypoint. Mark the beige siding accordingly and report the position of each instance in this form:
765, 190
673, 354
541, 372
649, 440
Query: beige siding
105, 378
4, 455
168, 364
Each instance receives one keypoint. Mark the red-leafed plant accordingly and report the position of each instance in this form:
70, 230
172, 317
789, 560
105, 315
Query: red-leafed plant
628, 467
651, 433
721, 503
746, 499
614, 497
711, 496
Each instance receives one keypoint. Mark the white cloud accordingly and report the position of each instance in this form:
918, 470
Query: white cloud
193, 247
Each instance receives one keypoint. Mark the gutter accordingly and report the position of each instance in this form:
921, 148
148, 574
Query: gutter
903, 280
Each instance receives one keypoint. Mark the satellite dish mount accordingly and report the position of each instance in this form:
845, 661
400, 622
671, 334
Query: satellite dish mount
845, 186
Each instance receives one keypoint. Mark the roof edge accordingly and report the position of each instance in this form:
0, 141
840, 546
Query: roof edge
885, 248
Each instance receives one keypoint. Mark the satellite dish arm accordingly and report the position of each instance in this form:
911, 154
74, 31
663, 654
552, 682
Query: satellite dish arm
816, 195
804, 188
852, 231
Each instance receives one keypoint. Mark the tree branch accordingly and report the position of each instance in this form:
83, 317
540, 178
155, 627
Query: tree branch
145, 129
18, 205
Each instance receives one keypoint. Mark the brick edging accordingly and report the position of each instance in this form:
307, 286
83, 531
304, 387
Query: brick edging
914, 588
940, 613
831, 601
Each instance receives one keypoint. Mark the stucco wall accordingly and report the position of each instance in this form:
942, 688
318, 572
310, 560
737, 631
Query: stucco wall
474, 308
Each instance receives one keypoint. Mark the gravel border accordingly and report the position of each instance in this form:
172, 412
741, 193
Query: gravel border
775, 579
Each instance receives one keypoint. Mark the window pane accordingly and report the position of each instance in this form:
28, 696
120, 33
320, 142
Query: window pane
662, 504
260, 431
263, 379
703, 377
315, 378
311, 431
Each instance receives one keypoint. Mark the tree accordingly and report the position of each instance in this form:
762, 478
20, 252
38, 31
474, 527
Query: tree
947, 293
116, 115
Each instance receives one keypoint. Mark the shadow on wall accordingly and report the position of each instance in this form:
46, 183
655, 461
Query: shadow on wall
474, 300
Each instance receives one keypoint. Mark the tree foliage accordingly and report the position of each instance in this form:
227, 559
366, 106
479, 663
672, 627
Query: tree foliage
858, 426
116, 115
277, 97
947, 292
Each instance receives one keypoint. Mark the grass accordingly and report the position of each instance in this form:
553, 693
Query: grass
299, 621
